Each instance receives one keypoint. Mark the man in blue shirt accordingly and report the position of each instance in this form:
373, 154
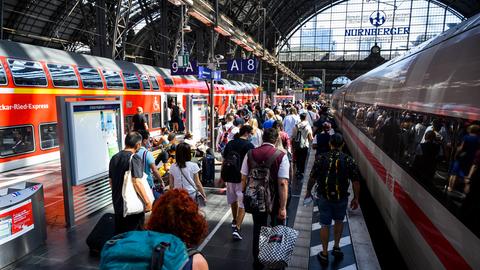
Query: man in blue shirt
148, 161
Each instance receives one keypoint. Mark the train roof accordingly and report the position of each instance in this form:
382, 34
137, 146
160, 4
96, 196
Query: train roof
38, 53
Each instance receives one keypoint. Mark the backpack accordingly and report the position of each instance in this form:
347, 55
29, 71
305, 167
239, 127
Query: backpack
299, 141
144, 250
224, 139
328, 184
258, 197
231, 167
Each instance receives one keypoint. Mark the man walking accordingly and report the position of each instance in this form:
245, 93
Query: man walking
279, 174
290, 121
302, 137
119, 164
148, 162
225, 133
233, 156
332, 172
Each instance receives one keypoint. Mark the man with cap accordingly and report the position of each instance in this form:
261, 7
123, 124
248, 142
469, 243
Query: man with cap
332, 173
322, 139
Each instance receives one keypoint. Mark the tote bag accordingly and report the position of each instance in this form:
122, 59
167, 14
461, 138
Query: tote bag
276, 246
132, 203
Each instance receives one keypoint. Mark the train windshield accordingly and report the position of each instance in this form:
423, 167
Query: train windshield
113, 79
132, 81
90, 78
62, 76
27, 73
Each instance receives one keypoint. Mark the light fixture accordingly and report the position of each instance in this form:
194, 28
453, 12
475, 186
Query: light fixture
222, 31
187, 29
199, 16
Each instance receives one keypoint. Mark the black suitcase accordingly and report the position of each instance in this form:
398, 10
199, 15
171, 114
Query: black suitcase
103, 231
208, 170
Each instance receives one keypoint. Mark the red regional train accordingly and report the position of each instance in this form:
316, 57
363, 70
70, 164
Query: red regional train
412, 124
31, 77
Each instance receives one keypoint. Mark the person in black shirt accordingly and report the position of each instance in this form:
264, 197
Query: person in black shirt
176, 117
233, 155
332, 172
139, 120
119, 164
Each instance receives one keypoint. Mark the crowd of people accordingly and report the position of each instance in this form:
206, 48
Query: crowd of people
264, 151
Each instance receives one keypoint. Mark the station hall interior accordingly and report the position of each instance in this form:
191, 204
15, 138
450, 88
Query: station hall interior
101, 99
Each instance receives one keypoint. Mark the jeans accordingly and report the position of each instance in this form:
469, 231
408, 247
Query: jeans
259, 220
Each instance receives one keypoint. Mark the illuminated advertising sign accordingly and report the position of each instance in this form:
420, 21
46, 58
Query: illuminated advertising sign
377, 19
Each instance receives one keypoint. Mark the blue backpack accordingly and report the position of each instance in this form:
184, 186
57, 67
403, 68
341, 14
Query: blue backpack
144, 250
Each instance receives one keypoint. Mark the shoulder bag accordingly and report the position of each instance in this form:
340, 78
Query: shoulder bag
132, 203
199, 199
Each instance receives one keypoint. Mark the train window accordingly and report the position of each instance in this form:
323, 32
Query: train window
147, 117
62, 75
48, 136
168, 81
90, 77
156, 120
27, 73
3, 76
144, 80
16, 140
113, 79
154, 83
438, 152
132, 81
128, 123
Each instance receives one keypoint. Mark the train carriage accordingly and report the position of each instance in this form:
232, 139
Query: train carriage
405, 123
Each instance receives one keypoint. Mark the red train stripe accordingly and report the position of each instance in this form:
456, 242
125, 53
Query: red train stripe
445, 252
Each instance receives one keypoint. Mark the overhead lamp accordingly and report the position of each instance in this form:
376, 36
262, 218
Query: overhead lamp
187, 29
248, 48
176, 2
199, 16
236, 41
219, 29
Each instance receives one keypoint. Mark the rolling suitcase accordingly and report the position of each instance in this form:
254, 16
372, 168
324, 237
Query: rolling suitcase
103, 231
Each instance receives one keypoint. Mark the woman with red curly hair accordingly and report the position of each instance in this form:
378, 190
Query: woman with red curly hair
176, 213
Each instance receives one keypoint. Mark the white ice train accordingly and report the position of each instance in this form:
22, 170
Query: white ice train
384, 116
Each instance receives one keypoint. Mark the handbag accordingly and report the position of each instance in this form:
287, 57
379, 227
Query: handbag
199, 199
276, 246
132, 203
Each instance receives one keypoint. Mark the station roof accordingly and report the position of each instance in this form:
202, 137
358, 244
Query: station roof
67, 24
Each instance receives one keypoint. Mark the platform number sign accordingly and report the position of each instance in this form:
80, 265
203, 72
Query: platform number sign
242, 66
190, 69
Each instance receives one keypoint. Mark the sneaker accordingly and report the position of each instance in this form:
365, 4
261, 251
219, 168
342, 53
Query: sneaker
234, 225
337, 253
236, 235
322, 258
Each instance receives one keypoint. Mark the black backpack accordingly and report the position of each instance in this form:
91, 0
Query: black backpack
231, 167
328, 183
259, 195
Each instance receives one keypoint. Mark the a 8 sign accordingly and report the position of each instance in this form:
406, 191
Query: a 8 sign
242, 66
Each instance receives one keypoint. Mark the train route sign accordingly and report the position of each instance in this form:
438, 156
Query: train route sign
190, 69
242, 66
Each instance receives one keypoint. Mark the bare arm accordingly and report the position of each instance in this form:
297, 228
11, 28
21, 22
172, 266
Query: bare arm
199, 185
356, 194
143, 194
244, 183
199, 262
283, 191
170, 182
311, 182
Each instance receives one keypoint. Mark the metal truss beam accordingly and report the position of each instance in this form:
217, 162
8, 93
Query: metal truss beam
120, 29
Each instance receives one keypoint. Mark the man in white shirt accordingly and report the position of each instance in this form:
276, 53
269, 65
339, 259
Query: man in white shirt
290, 121
279, 174
225, 133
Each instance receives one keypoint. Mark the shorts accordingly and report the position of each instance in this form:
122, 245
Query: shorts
235, 194
330, 210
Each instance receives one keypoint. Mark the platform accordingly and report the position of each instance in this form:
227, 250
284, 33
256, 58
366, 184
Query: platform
66, 249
